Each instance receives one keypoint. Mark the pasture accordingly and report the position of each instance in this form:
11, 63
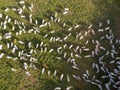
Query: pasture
59, 44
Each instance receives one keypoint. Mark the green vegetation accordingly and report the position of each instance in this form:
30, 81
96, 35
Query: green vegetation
83, 12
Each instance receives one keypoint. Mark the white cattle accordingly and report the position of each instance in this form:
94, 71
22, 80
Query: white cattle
57, 88
1, 55
90, 26
69, 87
100, 24
28, 73
13, 69
43, 70
68, 78
55, 72
1, 47
6, 10
49, 73
61, 77
1, 15
22, 2
75, 67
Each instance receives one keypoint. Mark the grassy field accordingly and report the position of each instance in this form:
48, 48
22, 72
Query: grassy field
83, 12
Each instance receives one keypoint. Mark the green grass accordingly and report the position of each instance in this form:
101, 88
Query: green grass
83, 12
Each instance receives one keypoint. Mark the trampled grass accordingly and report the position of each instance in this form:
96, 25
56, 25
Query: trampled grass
83, 12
